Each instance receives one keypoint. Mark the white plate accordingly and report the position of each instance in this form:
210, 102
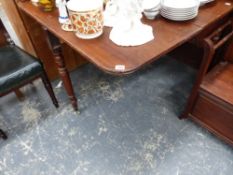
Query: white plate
178, 10
180, 4
178, 16
180, 19
175, 19
179, 13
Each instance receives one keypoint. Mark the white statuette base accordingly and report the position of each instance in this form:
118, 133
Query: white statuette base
137, 35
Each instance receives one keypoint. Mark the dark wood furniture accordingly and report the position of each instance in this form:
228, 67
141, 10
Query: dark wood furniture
213, 107
168, 36
106, 55
18, 68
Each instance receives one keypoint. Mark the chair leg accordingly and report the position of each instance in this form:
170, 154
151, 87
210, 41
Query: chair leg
3, 135
19, 94
49, 88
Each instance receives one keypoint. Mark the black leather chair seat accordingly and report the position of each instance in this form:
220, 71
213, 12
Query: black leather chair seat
16, 67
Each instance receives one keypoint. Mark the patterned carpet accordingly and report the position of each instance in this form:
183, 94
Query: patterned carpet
126, 126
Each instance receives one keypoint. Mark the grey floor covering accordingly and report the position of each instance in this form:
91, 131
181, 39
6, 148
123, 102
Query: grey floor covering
126, 126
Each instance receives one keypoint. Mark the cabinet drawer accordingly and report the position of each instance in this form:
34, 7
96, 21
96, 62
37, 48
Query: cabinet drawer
214, 116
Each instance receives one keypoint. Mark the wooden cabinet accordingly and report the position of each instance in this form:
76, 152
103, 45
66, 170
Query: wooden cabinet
214, 106
213, 102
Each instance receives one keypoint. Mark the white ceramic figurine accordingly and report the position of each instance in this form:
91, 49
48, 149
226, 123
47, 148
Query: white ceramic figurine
110, 13
128, 29
63, 16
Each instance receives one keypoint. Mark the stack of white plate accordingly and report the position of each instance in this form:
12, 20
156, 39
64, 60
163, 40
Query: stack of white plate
179, 10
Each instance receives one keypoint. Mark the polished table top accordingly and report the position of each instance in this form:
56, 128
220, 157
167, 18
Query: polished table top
106, 55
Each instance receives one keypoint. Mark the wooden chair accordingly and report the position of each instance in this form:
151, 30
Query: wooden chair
18, 68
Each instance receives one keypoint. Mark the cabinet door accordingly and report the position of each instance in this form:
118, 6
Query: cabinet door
214, 116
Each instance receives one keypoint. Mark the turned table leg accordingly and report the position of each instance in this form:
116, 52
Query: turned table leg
64, 74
